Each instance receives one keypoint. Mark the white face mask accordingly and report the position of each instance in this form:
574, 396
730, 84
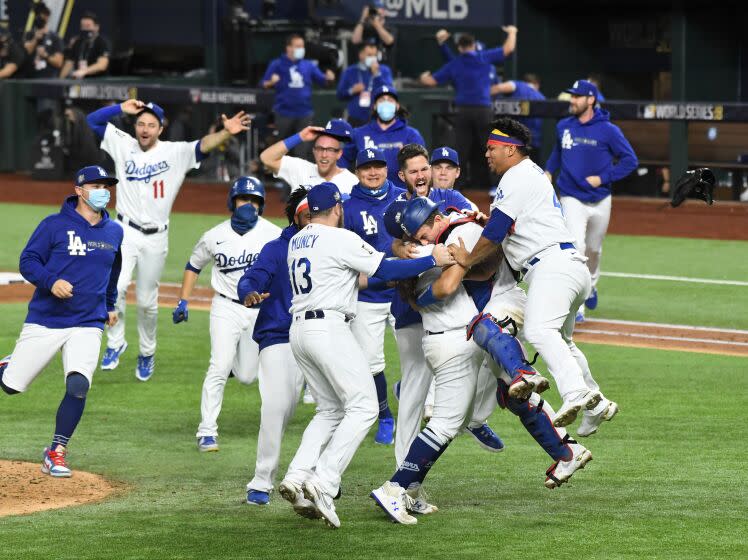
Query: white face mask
298, 53
369, 60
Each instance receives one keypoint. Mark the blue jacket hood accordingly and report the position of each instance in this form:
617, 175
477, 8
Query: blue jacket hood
289, 231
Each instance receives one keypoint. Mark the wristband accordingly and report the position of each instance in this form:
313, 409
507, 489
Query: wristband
292, 141
426, 298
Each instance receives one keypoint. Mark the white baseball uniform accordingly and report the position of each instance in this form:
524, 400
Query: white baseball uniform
148, 184
557, 277
299, 172
324, 264
231, 324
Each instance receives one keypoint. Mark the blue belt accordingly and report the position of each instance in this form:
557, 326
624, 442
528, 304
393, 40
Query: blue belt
320, 314
535, 260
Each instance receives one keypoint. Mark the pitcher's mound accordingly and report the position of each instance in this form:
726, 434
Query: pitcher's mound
25, 489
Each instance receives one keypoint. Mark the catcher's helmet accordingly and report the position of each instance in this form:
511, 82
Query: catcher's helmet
417, 211
247, 186
392, 217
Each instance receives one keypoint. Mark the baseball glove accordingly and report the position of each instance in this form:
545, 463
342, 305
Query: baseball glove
698, 183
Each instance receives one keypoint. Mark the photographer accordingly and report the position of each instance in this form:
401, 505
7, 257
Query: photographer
87, 54
11, 55
43, 46
371, 28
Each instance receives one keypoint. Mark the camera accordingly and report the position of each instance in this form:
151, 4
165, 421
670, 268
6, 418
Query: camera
373, 11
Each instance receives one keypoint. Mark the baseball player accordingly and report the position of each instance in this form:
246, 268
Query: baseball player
232, 246
324, 262
73, 258
445, 167
363, 215
445, 307
587, 144
526, 219
266, 282
327, 151
151, 173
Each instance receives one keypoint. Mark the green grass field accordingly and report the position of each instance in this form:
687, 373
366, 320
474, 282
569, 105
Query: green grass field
665, 482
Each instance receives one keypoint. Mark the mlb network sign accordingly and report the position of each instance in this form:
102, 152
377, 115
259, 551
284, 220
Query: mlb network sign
471, 13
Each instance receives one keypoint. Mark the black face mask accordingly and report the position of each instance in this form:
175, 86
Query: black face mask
85, 35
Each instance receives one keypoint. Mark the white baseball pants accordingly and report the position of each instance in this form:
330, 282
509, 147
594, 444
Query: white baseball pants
588, 223
148, 254
231, 349
368, 328
338, 374
280, 382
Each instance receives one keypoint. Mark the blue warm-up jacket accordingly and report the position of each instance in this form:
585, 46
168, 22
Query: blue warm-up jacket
65, 246
358, 73
293, 93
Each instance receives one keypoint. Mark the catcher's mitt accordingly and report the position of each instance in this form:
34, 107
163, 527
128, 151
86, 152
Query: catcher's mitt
699, 183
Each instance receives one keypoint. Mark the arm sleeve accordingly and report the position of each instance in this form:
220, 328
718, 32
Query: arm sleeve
188, 155
270, 70
344, 84
498, 226
318, 76
357, 254
554, 160
627, 160
444, 74
201, 255
258, 277
35, 255
111, 289
400, 269
99, 119
447, 54
494, 56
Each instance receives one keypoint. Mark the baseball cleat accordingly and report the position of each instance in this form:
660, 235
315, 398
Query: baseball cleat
416, 501
144, 369
385, 432
323, 501
579, 318
207, 444
568, 412
110, 360
591, 302
392, 499
561, 471
591, 422
308, 398
527, 383
487, 438
54, 464
292, 493
257, 498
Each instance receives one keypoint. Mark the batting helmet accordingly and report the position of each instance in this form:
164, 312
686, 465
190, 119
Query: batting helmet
247, 186
392, 217
417, 211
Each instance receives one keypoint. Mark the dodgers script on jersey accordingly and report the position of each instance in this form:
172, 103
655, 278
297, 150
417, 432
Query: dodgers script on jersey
299, 172
148, 181
457, 310
526, 195
231, 253
323, 264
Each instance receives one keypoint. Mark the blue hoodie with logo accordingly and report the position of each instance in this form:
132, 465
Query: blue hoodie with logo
359, 73
363, 216
269, 274
596, 147
293, 93
389, 141
522, 91
65, 246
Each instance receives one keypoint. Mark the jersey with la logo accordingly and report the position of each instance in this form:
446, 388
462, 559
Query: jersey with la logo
231, 253
323, 265
528, 198
298, 172
148, 181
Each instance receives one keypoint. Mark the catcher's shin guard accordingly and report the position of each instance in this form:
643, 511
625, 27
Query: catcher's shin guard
503, 348
535, 415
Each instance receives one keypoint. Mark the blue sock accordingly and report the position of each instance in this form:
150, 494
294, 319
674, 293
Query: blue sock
384, 407
423, 453
68, 415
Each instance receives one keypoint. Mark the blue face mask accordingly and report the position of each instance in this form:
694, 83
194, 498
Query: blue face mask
386, 110
244, 218
97, 198
298, 53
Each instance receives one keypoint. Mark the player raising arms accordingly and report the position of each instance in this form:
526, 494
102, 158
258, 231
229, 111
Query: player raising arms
150, 172
73, 258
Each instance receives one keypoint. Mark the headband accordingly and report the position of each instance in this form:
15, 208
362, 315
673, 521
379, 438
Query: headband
498, 137
303, 205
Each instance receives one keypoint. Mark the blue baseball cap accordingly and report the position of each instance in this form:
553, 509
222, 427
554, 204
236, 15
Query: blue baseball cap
583, 87
445, 153
323, 196
339, 129
155, 110
393, 216
383, 90
370, 155
94, 174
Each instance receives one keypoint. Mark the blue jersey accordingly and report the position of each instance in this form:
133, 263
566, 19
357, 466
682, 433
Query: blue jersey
471, 75
269, 273
65, 246
363, 216
358, 73
293, 93
583, 150
523, 90
389, 141
403, 313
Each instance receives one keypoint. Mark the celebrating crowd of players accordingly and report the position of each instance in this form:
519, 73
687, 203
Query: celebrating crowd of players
390, 243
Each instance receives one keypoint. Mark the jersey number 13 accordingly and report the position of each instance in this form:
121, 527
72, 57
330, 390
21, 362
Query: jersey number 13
300, 279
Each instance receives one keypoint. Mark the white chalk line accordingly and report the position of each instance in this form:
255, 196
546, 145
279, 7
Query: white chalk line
664, 325
675, 278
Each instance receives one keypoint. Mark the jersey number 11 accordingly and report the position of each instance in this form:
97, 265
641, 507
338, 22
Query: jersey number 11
158, 189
